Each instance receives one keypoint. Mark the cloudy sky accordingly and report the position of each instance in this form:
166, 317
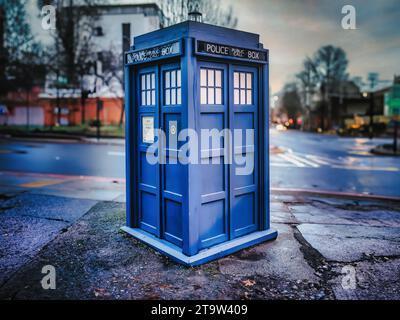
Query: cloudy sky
294, 29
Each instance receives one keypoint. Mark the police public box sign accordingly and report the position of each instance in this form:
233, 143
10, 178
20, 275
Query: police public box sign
222, 50
155, 53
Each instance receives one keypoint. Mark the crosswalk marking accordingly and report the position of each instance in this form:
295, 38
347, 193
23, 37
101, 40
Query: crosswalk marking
291, 160
310, 163
317, 160
116, 153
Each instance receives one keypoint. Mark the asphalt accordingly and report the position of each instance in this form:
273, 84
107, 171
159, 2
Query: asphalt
320, 239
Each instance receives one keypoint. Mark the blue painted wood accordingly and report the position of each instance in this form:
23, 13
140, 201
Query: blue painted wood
156, 57
149, 189
214, 209
193, 174
196, 213
200, 31
130, 181
265, 214
205, 255
172, 196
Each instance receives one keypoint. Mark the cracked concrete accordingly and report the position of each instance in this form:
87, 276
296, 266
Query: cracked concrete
317, 238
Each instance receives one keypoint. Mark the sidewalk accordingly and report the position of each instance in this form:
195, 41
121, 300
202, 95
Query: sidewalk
324, 243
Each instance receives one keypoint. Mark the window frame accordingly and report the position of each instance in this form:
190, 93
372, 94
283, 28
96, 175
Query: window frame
211, 88
174, 89
148, 86
243, 90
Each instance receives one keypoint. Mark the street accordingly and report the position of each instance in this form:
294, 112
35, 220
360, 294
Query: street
298, 160
63, 204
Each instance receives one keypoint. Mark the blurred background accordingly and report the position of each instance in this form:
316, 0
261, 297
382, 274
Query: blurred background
335, 91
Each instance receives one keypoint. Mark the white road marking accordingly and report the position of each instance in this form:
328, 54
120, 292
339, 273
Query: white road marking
116, 153
291, 160
317, 159
307, 162
281, 164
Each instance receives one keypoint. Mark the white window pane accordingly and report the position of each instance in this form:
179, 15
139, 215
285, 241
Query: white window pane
218, 96
249, 97
148, 101
211, 96
173, 96
153, 97
236, 96
236, 80
203, 77
153, 81
242, 80
173, 78
178, 78
167, 79
143, 98
167, 97
248, 79
143, 81
203, 95
218, 78
147, 81
211, 78
242, 97
179, 96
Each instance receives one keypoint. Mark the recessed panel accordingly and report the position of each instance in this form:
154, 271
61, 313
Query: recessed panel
173, 221
244, 211
148, 172
149, 210
212, 221
213, 177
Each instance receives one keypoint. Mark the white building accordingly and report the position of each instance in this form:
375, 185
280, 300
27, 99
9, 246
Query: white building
114, 31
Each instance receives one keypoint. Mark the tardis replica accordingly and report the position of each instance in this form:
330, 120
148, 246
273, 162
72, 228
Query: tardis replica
197, 76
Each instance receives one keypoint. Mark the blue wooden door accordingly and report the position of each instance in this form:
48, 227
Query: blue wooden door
173, 183
149, 174
243, 115
213, 115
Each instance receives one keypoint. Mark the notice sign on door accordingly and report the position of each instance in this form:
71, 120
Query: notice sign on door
148, 129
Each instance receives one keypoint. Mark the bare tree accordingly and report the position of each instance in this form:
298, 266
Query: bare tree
72, 49
326, 70
23, 66
175, 11
290, 102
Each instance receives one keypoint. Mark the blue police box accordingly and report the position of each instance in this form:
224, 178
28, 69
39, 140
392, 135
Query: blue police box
197, 76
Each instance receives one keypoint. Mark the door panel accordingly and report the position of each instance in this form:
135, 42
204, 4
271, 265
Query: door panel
149, 174
243, 185
213, 114
172, 171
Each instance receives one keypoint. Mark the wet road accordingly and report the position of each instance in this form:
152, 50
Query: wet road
314, 161
302, 160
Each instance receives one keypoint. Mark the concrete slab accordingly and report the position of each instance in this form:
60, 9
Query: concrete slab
28, 222
346, 243
47, 207
22, 237
375, 280
282, 259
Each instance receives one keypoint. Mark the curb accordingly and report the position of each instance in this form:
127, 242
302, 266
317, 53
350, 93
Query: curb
336, 194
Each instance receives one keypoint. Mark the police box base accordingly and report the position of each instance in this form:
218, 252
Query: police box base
206, 255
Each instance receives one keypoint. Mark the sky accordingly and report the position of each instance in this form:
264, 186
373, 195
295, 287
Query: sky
295, 29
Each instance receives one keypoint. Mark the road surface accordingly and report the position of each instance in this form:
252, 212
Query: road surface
298, 160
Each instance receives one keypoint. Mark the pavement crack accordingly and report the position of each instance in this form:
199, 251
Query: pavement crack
316, 261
